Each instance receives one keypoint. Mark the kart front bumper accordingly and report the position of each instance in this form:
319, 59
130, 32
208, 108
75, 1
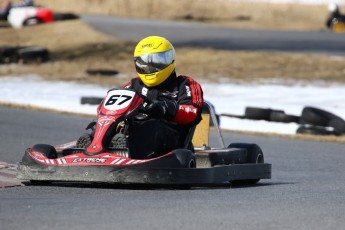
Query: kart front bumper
223, 174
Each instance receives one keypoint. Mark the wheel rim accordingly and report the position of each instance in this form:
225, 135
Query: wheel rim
259, 158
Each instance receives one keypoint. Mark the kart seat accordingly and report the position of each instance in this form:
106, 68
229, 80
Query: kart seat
200, 133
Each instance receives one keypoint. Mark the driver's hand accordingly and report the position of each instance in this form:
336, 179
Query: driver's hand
162, 109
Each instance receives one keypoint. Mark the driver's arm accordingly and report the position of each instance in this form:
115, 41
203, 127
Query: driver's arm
190, 103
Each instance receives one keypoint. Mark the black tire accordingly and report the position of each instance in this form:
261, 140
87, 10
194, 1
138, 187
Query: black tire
280, 116
91, 100
9, 54
119, 141
103, 72
226, 158
48, 150
254, 156
254, 152
254, 113
64, 16
338, 125
32, 21
84, 141
315, 116
185, 157
33, 55
316, 130
319, 117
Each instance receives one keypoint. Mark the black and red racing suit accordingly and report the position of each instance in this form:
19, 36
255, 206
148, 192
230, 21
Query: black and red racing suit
155, 137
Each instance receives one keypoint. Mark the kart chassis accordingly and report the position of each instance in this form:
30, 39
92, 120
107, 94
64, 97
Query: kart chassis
214, 166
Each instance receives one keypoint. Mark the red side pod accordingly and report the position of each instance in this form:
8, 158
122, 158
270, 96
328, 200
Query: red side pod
45, 14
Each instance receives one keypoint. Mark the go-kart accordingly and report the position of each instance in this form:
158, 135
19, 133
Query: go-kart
95, 158
29, 15
22, 15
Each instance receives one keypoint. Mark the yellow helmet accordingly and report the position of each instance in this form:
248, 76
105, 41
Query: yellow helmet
154, 59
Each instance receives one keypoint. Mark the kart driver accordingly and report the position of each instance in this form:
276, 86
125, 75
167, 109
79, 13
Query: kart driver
176, 101
335, 14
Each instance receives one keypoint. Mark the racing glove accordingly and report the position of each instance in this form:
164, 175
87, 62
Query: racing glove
162, 110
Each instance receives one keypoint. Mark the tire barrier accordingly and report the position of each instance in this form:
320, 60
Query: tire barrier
316, 130
9, 54
91, 100
104, 72
312, 120
64, 16
24, 55
255, 113
33, 55
280, 116
318, 117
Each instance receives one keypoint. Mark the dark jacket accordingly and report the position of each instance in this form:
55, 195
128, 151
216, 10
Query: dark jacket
184, 90
187, 95
336, 15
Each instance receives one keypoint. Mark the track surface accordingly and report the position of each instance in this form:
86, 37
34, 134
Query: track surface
202, 35
306, 191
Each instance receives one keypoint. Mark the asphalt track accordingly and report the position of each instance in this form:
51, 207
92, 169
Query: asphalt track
306, 190
192, 34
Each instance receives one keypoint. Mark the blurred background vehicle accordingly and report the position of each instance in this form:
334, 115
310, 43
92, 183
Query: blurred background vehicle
336, 21
26, 13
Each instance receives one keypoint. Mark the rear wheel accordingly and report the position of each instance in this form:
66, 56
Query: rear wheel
254, 156
185, 157
254, 152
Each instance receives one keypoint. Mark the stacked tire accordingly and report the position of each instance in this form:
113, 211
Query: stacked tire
25, 55
317, 121
255, 113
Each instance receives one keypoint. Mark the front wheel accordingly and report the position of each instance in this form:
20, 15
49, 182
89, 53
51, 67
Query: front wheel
47, 150
84, 141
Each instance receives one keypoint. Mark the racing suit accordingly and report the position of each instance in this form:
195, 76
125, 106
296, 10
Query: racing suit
154, 137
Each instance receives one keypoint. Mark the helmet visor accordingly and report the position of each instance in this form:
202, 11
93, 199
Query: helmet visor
153, 62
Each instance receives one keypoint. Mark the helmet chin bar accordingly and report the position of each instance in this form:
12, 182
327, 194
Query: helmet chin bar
157, 77
150, 76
